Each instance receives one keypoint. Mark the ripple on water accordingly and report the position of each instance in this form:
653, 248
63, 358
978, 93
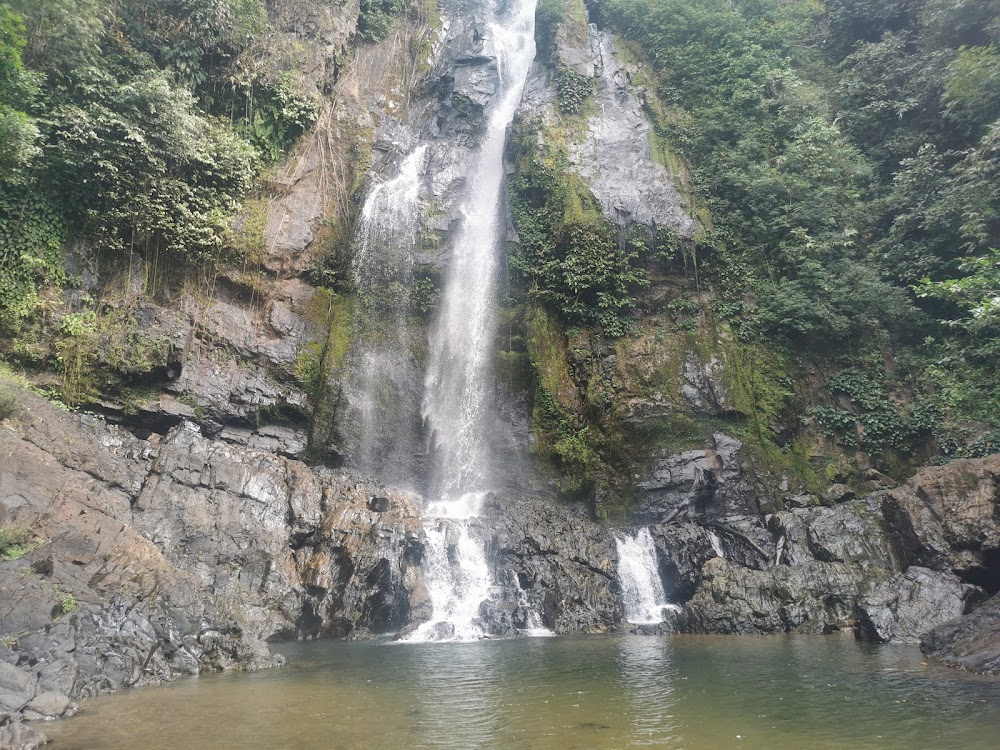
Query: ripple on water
681, 692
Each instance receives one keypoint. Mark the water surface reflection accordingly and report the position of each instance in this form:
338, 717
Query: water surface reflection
682, 693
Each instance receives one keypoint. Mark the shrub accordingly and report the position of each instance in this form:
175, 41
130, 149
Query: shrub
16, 542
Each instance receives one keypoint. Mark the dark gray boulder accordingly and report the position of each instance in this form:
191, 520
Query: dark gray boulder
971, 642
904, 607
814, 597
946, 518
157, 559
709, 482
564, 563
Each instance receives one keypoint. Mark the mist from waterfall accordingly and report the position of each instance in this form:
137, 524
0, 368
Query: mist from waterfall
382, 402
458, 406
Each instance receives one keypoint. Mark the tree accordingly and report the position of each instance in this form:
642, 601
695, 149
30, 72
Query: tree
17, 132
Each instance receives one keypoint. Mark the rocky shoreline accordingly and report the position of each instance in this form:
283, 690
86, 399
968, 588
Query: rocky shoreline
152, 559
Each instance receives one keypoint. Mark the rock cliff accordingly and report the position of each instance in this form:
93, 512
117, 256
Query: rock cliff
142, 560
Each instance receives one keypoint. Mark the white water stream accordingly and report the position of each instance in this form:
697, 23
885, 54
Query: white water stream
716, 544
639, 576
458, 387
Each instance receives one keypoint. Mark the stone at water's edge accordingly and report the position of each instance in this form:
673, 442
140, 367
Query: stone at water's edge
564, 563
20, 737
902, 608
946, 517
814, 597
160, 559
971, 642
892, 564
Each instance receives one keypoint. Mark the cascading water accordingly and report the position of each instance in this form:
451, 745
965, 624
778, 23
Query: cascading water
457, 581
458, 405
384, 370
716, 544
532, 625
638, 574
457, 388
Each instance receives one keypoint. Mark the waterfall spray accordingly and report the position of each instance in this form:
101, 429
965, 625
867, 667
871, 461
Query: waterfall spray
384, 368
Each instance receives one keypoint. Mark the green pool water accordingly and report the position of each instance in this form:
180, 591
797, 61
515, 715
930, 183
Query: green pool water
697, 693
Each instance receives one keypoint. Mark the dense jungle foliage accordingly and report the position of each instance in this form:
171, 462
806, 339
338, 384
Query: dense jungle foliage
139, 126
843, 156
848, 151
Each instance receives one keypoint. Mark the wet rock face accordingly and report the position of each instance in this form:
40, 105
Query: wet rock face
895, 563
971, 642
710, 479
849, 533
613, 154
905, 606
165, 558
815, 597
947, 518
563, 563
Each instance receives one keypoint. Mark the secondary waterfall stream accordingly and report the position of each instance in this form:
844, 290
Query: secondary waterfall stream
458, 388
385, 368
638, 574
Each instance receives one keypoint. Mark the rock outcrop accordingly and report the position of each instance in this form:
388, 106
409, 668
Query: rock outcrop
144, 560
907, 605
814, 597
612, 154
893, 564
562, 564
971, 642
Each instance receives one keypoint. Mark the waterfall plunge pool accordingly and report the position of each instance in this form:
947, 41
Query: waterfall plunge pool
593, 693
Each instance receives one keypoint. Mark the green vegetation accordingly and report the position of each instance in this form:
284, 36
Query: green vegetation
377, 17
17, 542
843, 159
570, 257
67, 602
8, 402
848, 152
144, 125
841, 156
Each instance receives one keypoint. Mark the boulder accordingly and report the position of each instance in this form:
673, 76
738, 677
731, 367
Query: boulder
970, 642
946, 518
838, 493
165, 558
710, 480
904, 607
19, 736
561, 564
853, 532
814, 597
13, 681
52, 705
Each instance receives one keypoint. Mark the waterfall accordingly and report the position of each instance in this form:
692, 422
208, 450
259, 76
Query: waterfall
458, 577
458, 386
639, 577
716, 544
532, 625
383, 369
